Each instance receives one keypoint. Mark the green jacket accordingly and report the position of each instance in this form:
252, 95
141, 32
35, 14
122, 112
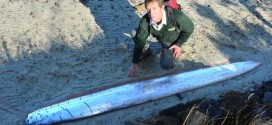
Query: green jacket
166, 35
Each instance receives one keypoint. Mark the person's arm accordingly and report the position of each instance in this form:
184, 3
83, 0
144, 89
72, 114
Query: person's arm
176, 51
133, 70
186, 25
139, 41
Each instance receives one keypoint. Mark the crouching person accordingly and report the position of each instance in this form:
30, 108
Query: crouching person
170, 29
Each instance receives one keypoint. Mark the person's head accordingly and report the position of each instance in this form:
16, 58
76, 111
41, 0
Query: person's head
155, 9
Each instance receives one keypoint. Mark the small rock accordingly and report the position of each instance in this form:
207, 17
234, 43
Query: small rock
33, 15
267, 98
57, 4
267, 85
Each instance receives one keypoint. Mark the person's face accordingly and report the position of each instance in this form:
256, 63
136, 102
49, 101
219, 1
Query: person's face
154, 11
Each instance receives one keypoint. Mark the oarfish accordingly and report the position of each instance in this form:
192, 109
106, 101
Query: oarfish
136, 93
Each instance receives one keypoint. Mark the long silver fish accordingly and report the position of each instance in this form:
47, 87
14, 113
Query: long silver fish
136, 93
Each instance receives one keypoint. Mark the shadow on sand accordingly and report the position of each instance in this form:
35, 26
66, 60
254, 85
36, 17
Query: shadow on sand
233, 37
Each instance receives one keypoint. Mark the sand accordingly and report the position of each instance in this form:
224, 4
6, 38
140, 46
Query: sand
53, 49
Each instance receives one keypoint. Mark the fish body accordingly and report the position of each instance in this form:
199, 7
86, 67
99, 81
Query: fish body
136, 93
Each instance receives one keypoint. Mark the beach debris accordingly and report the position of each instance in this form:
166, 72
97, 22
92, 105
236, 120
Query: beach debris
267, 98
232, 108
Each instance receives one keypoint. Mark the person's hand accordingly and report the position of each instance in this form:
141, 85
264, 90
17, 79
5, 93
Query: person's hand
133, 70
176, 51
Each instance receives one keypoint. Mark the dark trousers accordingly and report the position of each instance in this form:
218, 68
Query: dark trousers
167, 60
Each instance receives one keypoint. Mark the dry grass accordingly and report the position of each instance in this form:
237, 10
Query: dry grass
242, 118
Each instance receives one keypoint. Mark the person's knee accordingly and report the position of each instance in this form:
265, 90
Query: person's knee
167, 60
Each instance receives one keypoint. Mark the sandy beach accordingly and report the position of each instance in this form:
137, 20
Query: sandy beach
51, 50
